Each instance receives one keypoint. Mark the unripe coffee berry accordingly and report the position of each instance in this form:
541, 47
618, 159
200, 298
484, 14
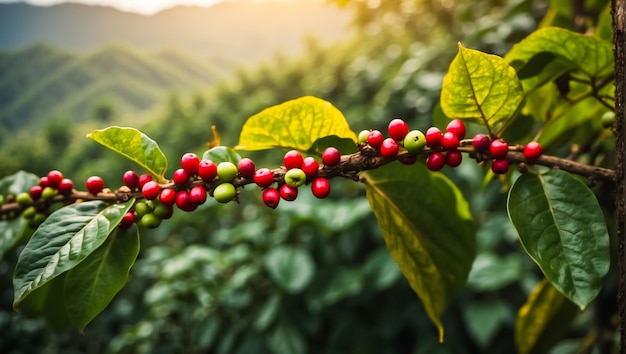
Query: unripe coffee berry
320, 187
375, 139
288, 192
226, 171
150, 221
454, 158
295, 177
532, 151
207, 170
167, 196
292, 159
264, 177
190, 162
151, 190
310, 166
389, 148
246, 168
66, 186
180, 177
480, 142
141, 209
435, 161
197, 194
271, 197
433, 137
414, 141
331, 156
449, 141
457, 127
54, 178
500, 166
498, 148
397, 129
48, 193
94, 184
23, 199
224, 193
131, 179
362, 138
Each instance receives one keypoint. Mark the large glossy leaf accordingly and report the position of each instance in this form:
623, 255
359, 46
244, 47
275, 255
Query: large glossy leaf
543, 319
294, 124
428, 229
221, 154
562, 228
65, 239
551, 51
11, 231
17, 183
134, 145
91, 286
292, 268
480, 87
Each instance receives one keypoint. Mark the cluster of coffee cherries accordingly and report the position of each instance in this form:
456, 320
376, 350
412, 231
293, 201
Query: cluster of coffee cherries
443, 147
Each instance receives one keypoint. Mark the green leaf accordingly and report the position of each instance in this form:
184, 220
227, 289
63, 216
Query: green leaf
17, 183
434, 255
91, 286
562, 228
484, 318
134, 145
11, 231
291, 268
491, 272
221, 154
286, 339
543, 319
480, 87
267, 313
567, 51
294, 124
345, 145
65, 239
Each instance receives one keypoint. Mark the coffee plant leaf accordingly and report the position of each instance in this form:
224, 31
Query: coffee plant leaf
90, 286
562, 228
12, 231
480, 87
291, 268
63, 241
435, 254
134, 145
551, 51
221, 154
543, 319
344, 145
295, 124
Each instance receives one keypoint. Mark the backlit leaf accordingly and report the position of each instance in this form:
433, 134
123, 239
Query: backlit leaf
294, 124
65, 239
480, 87
11, 231
134, 145
434, 254
91, 286
562, 228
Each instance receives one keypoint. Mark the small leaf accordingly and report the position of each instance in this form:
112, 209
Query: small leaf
91, 286
267, 313
294, 124
481, 87
291, 268
285, 338
134, 145
65, 239
221, 154
562, 228
543, 319
17, 183
11, 231
434, 255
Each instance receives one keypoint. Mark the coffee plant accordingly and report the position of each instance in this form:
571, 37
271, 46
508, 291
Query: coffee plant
83, 243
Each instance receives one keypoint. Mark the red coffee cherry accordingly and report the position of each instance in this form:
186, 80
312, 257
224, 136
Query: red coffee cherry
480, 142
457, 127
35, 192
43, 182
433, 137
331, 156
143, 179
499, 148
197, 194
180, 177
389, 148
532, 151
435, 161
190, 162
409, 160
150, 190
94, 184
454, 158
375, 139
271, 197
207, 170
54, 178
66, 186
246, 168
183, 201
292, 159
127, 220
167, 196
264, 177
449, 141
288, 192
500, 166
131, 179
320, 187
397, 129
310, 166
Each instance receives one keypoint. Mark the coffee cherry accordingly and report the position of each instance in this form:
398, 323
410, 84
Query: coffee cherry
433, 137
331, 156
435, 161
409, 160
141, 209
167, 196
295, 177
457, 127
23, 199
127, 220
389, 148
500, 166
264, 177
532, 151
498, 148
151, 190
397, 129
48, 193
480, 142
162, 211
271, 197
320, 187
414, 141
143, 179
54, 178
288, 192
362, 138
246, 168
43, 182
180, 177
454, 158
310, 166
292, 159
131, 179
207, 170
375, 139
35, 192
183, 202
190, 162
94, 184
449, 141
29, 212
66, 186
197, 194
224, 193
37, 220
150, 221
227, 171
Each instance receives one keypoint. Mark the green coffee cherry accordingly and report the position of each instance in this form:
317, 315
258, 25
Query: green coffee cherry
150, 221
141, 209
48, 193
224, 193
415, 141
295, 177
363, 136
24, 199
37, 220
227, 171
29, 213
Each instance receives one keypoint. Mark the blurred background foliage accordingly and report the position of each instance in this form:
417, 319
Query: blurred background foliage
312, 276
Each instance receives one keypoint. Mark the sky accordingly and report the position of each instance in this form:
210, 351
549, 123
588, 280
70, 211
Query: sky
146, 7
